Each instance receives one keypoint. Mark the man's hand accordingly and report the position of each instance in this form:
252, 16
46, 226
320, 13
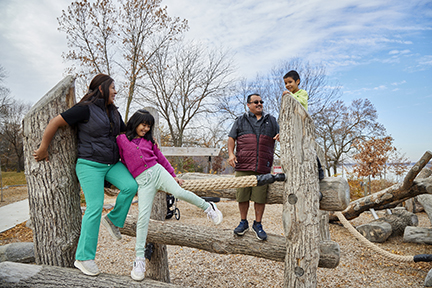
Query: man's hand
276, 137
232, 160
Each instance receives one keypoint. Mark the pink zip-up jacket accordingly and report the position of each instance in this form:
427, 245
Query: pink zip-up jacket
138, 158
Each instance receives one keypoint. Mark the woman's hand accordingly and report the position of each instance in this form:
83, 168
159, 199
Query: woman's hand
40, 154
179, 181
276, 137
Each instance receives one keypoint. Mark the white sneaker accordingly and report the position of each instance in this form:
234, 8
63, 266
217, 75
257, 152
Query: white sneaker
214, 214
88, 267
138, 270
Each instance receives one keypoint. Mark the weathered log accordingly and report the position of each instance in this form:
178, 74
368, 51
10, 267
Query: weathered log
381, 229
329, 254
53, 186
336, 194
413, 205
428, 279
301, 194
415, 170
335, 191
22, 252
426, 202
37, 276
387, 198
376, 231
419, 235
399, 220
223, 241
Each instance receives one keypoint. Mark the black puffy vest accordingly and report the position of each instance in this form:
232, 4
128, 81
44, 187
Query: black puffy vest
97, 137
254, 151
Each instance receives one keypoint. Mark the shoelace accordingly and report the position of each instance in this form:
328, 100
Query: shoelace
259, 228
211, 214
139, 265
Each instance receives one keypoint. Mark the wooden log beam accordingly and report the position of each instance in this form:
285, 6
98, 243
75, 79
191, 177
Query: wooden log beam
387, 198
27, 275
223, 241
335, 191
419, 235
415, 170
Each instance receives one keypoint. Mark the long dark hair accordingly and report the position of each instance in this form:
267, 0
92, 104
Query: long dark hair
103, 81
142, 116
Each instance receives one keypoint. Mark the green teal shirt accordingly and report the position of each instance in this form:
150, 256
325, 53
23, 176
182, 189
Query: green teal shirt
302, 96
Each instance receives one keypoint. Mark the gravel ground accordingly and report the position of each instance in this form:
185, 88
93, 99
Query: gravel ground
358, 267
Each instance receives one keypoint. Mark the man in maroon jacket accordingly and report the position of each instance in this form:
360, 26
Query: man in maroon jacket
255, 133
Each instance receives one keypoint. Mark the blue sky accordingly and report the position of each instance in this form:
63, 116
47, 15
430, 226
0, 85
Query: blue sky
375, 49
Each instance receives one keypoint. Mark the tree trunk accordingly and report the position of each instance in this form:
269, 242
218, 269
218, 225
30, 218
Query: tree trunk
53, 186
35, 276
157, 267
301, 199
222, 241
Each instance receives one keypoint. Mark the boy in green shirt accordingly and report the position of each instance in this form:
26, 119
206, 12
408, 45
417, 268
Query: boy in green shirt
292, 80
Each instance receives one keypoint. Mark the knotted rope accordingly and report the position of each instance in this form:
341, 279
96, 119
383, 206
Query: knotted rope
236, 182
220, 183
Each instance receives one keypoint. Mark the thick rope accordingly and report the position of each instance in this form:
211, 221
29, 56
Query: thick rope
369, 244
220, 183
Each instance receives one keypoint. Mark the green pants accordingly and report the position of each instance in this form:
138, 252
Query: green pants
149, 182
257, 194
92, 176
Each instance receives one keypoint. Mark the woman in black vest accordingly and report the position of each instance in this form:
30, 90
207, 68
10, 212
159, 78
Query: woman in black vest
98, 123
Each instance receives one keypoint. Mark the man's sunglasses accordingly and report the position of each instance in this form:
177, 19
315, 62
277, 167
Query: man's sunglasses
256, 102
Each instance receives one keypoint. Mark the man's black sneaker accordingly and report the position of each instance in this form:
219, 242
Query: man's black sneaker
241, 228
259, 231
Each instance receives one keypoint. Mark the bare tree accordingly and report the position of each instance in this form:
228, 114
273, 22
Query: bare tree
137, 28
11, 130
233, 103
339, 126
184, 83
5, 98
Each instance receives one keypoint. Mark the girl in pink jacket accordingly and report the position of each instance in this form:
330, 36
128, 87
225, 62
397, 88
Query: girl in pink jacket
153, 172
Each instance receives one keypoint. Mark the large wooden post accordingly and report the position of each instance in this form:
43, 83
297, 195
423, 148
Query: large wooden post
301, 200
157, 267
53, 186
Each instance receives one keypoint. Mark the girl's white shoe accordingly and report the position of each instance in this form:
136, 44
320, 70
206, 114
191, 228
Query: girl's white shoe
138, 270
214, 214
